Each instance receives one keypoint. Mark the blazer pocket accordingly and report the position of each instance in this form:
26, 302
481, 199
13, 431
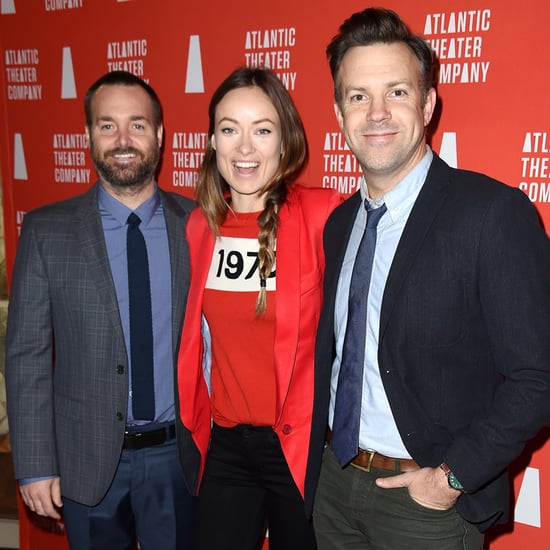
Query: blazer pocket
68, 407
311, 282
436, 312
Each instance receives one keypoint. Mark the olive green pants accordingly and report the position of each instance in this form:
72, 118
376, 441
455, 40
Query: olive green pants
352, 513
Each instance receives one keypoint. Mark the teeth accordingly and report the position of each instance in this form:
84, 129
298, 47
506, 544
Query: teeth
246, 164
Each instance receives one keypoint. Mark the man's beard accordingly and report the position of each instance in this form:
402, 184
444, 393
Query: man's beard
132, 175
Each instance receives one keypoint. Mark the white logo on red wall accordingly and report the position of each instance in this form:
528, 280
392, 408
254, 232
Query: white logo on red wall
457, 39
448, 150
19, 164
7, 6
194, 81
68, 86
341, 168
272, 48
22, 74
527, 509
61, 5
69, 155
187, 155
128, 55
535, 166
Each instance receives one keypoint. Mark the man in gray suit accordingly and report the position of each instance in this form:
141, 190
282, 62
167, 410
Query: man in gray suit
79, 447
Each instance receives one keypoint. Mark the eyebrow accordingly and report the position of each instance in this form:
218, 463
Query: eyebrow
133, 118
234, 121
390, 84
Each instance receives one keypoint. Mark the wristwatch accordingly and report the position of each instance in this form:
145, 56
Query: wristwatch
451, 478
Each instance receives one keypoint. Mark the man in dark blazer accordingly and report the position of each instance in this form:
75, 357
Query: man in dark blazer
79, 447
455, 357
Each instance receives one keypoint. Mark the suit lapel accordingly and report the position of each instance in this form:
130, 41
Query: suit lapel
336, 242
179, 262
335, 239
92, 244
427, 205
287, 306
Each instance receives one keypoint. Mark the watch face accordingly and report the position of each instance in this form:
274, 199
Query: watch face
453, 482
451, 478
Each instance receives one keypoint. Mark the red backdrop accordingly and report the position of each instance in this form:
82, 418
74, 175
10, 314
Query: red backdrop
494, 117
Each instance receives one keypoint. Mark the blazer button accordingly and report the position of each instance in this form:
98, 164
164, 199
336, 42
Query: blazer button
119, 416
287, 429
120, 369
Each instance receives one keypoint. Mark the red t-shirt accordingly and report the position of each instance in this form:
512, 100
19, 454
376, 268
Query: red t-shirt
243, 365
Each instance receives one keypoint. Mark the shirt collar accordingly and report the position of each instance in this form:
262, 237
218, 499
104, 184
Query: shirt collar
120, 212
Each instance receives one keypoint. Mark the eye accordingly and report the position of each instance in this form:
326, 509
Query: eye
106, 126
227, 131
399, 93
358, 98
138, 126
264, 131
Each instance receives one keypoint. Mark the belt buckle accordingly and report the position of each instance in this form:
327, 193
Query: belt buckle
132, 435
366, 468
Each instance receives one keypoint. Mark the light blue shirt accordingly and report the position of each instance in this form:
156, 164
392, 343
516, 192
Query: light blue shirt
378, 430
114, 216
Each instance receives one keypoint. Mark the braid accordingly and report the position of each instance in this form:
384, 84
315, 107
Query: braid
268, 222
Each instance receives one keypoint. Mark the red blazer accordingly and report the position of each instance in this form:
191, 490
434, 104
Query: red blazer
300, 267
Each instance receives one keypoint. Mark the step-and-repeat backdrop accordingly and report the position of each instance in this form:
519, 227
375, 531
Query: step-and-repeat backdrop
493, 94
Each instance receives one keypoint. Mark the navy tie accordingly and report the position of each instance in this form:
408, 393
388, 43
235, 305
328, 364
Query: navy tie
347, 409
141, 323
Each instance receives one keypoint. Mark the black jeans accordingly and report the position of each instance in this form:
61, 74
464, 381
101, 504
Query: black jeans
247, 487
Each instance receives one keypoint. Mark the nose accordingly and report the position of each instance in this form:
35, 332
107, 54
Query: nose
246, 144
123, 137
378, 109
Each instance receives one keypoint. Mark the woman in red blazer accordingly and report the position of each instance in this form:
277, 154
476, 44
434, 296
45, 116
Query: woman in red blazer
245, 370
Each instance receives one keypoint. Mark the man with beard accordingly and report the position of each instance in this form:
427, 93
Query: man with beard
85, 448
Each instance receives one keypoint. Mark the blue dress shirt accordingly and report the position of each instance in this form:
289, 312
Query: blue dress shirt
378, 430
114, 215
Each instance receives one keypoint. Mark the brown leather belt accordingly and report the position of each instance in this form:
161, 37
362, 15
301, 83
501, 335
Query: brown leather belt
134, 440
367, 459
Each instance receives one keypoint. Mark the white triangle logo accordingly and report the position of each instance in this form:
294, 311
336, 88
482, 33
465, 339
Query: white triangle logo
8, 6
528, 503
194, 83
448, 150
19, 164
68, 87
428, 25
527, 148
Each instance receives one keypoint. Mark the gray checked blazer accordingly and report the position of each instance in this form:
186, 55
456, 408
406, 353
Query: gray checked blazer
67, 415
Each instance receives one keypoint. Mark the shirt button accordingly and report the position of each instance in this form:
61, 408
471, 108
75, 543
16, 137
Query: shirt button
287, 429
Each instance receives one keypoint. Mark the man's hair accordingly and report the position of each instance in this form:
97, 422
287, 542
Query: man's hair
379, 26
122, 78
